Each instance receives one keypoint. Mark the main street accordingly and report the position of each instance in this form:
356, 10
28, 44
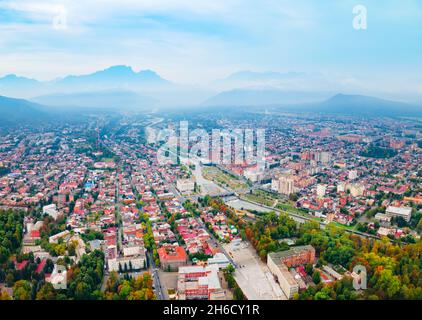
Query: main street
155, 277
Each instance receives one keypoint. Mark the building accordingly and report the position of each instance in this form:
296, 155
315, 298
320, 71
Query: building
185, 185
134, 258
321, 189
283, 185
355, 189
332, 272
284, 278
124, 264
280, 262
58, 278
381, 217
353, 174
397, 144
324, 157
404, 212
172, 257
220, 260
199, 283
61, 235
51, 210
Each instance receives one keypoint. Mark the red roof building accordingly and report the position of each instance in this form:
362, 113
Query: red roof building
172, 258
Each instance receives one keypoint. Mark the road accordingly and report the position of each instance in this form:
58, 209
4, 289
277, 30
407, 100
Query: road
155, 277
118, 216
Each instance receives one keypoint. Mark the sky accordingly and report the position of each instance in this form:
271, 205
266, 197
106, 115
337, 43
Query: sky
199, 41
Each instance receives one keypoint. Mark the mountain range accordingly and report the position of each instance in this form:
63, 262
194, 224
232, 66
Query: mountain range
365, 106
264, 96
20, 110
121, 88
17, 110
115, 77
147, 84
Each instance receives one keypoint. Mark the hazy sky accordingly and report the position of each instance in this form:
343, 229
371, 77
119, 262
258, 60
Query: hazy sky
198, 41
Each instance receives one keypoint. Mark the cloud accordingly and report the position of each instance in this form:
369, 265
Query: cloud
201, 40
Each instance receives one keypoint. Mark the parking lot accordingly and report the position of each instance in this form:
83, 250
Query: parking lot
252, 275
168, 281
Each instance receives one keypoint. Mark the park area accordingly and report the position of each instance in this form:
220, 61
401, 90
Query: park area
224, 179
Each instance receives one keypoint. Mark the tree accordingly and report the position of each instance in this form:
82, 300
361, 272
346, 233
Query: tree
238, 294
316, 277
387, 282
309, 269
82, 291
293, 197
47, 292
22, 290
229, 269
419, 226
4, 296
10, 279
124, 290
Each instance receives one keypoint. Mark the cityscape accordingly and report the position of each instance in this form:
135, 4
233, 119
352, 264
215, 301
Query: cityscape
118, 184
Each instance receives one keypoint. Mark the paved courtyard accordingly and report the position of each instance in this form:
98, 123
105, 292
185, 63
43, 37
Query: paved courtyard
252, 275
168, 281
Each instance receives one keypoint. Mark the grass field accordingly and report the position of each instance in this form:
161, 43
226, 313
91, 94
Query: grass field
223, 179
262, 197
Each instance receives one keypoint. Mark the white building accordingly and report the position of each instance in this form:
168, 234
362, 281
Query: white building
126, 263
381, 217
357, 190
323, 157
55, 238
283, 185
353, 174
51, 210
185, 185
199, 283
58, 277
220, 260
404, 212
284, 277
341, 187
321, 189
133, 251
134, 258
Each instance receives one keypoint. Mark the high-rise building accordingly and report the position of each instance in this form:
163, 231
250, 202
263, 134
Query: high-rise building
321, 189
353, 174
325, 157
283, 185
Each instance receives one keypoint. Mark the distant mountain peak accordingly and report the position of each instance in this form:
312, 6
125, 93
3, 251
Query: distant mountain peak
14, 78
118, 69
14, 110
366, 105
357, 98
